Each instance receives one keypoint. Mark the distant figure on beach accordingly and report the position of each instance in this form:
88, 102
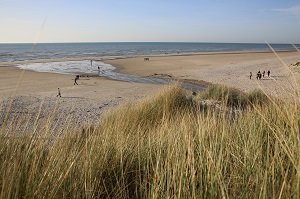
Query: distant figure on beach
250, 75
268, 73
146, 59
264, 73
91, 63
258, 75
58, 94
98, 70
76, 78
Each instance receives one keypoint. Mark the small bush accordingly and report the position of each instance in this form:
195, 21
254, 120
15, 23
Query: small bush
234, 97
229, 96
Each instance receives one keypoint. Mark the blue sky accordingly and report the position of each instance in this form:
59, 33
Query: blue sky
254, 21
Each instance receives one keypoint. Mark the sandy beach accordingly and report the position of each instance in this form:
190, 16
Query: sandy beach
231, 69
24, 93
85, 103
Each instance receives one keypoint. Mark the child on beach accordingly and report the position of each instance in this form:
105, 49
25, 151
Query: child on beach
250, 75
59, 94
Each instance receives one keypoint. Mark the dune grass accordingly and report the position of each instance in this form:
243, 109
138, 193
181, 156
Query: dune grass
163, 147
233, 97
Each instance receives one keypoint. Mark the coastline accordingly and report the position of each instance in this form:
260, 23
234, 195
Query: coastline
108, 58
96, 95
215, 67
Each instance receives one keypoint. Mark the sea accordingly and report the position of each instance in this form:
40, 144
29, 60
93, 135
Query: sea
83, 52
21, 52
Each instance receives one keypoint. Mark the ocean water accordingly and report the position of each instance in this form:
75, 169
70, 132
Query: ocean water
20, 52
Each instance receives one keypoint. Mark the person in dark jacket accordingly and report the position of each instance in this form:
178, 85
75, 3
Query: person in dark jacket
76, 78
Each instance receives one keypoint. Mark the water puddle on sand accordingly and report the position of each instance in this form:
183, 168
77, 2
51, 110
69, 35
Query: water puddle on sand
98, 68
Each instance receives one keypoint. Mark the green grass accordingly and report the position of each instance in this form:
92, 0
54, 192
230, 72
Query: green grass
163, 147
234, 97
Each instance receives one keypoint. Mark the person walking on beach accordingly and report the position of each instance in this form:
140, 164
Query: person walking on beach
76, 78
250, 75
91, 63
258, 76
268, 73
58, 94
264, 73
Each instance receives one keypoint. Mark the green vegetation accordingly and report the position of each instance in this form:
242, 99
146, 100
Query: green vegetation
233, 97
164, 147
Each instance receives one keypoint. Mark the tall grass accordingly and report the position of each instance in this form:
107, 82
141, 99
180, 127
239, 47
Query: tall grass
163, 147
233, 97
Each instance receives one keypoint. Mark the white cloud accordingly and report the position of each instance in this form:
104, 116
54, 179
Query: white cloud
294, 10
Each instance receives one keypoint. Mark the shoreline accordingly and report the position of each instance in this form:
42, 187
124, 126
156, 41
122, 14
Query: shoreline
108, 58
187, 66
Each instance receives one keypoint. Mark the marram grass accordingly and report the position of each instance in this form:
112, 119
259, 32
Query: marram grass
163, 147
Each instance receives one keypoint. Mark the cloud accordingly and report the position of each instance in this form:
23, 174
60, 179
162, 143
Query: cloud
294, 10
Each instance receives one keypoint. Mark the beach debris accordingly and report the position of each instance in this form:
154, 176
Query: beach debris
296, 64
161, 75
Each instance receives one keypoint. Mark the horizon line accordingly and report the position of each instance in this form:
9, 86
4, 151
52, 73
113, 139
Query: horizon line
192, 42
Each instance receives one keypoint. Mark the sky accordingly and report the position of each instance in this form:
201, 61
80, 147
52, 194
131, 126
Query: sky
232, 21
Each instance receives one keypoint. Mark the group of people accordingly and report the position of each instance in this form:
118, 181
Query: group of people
260, 75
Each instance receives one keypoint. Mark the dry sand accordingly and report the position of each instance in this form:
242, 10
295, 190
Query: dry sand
22, 93
93, 96
231, 69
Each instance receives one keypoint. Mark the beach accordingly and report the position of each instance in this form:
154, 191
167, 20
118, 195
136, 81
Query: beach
86, 102
83, 104
104, 131
230, 69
